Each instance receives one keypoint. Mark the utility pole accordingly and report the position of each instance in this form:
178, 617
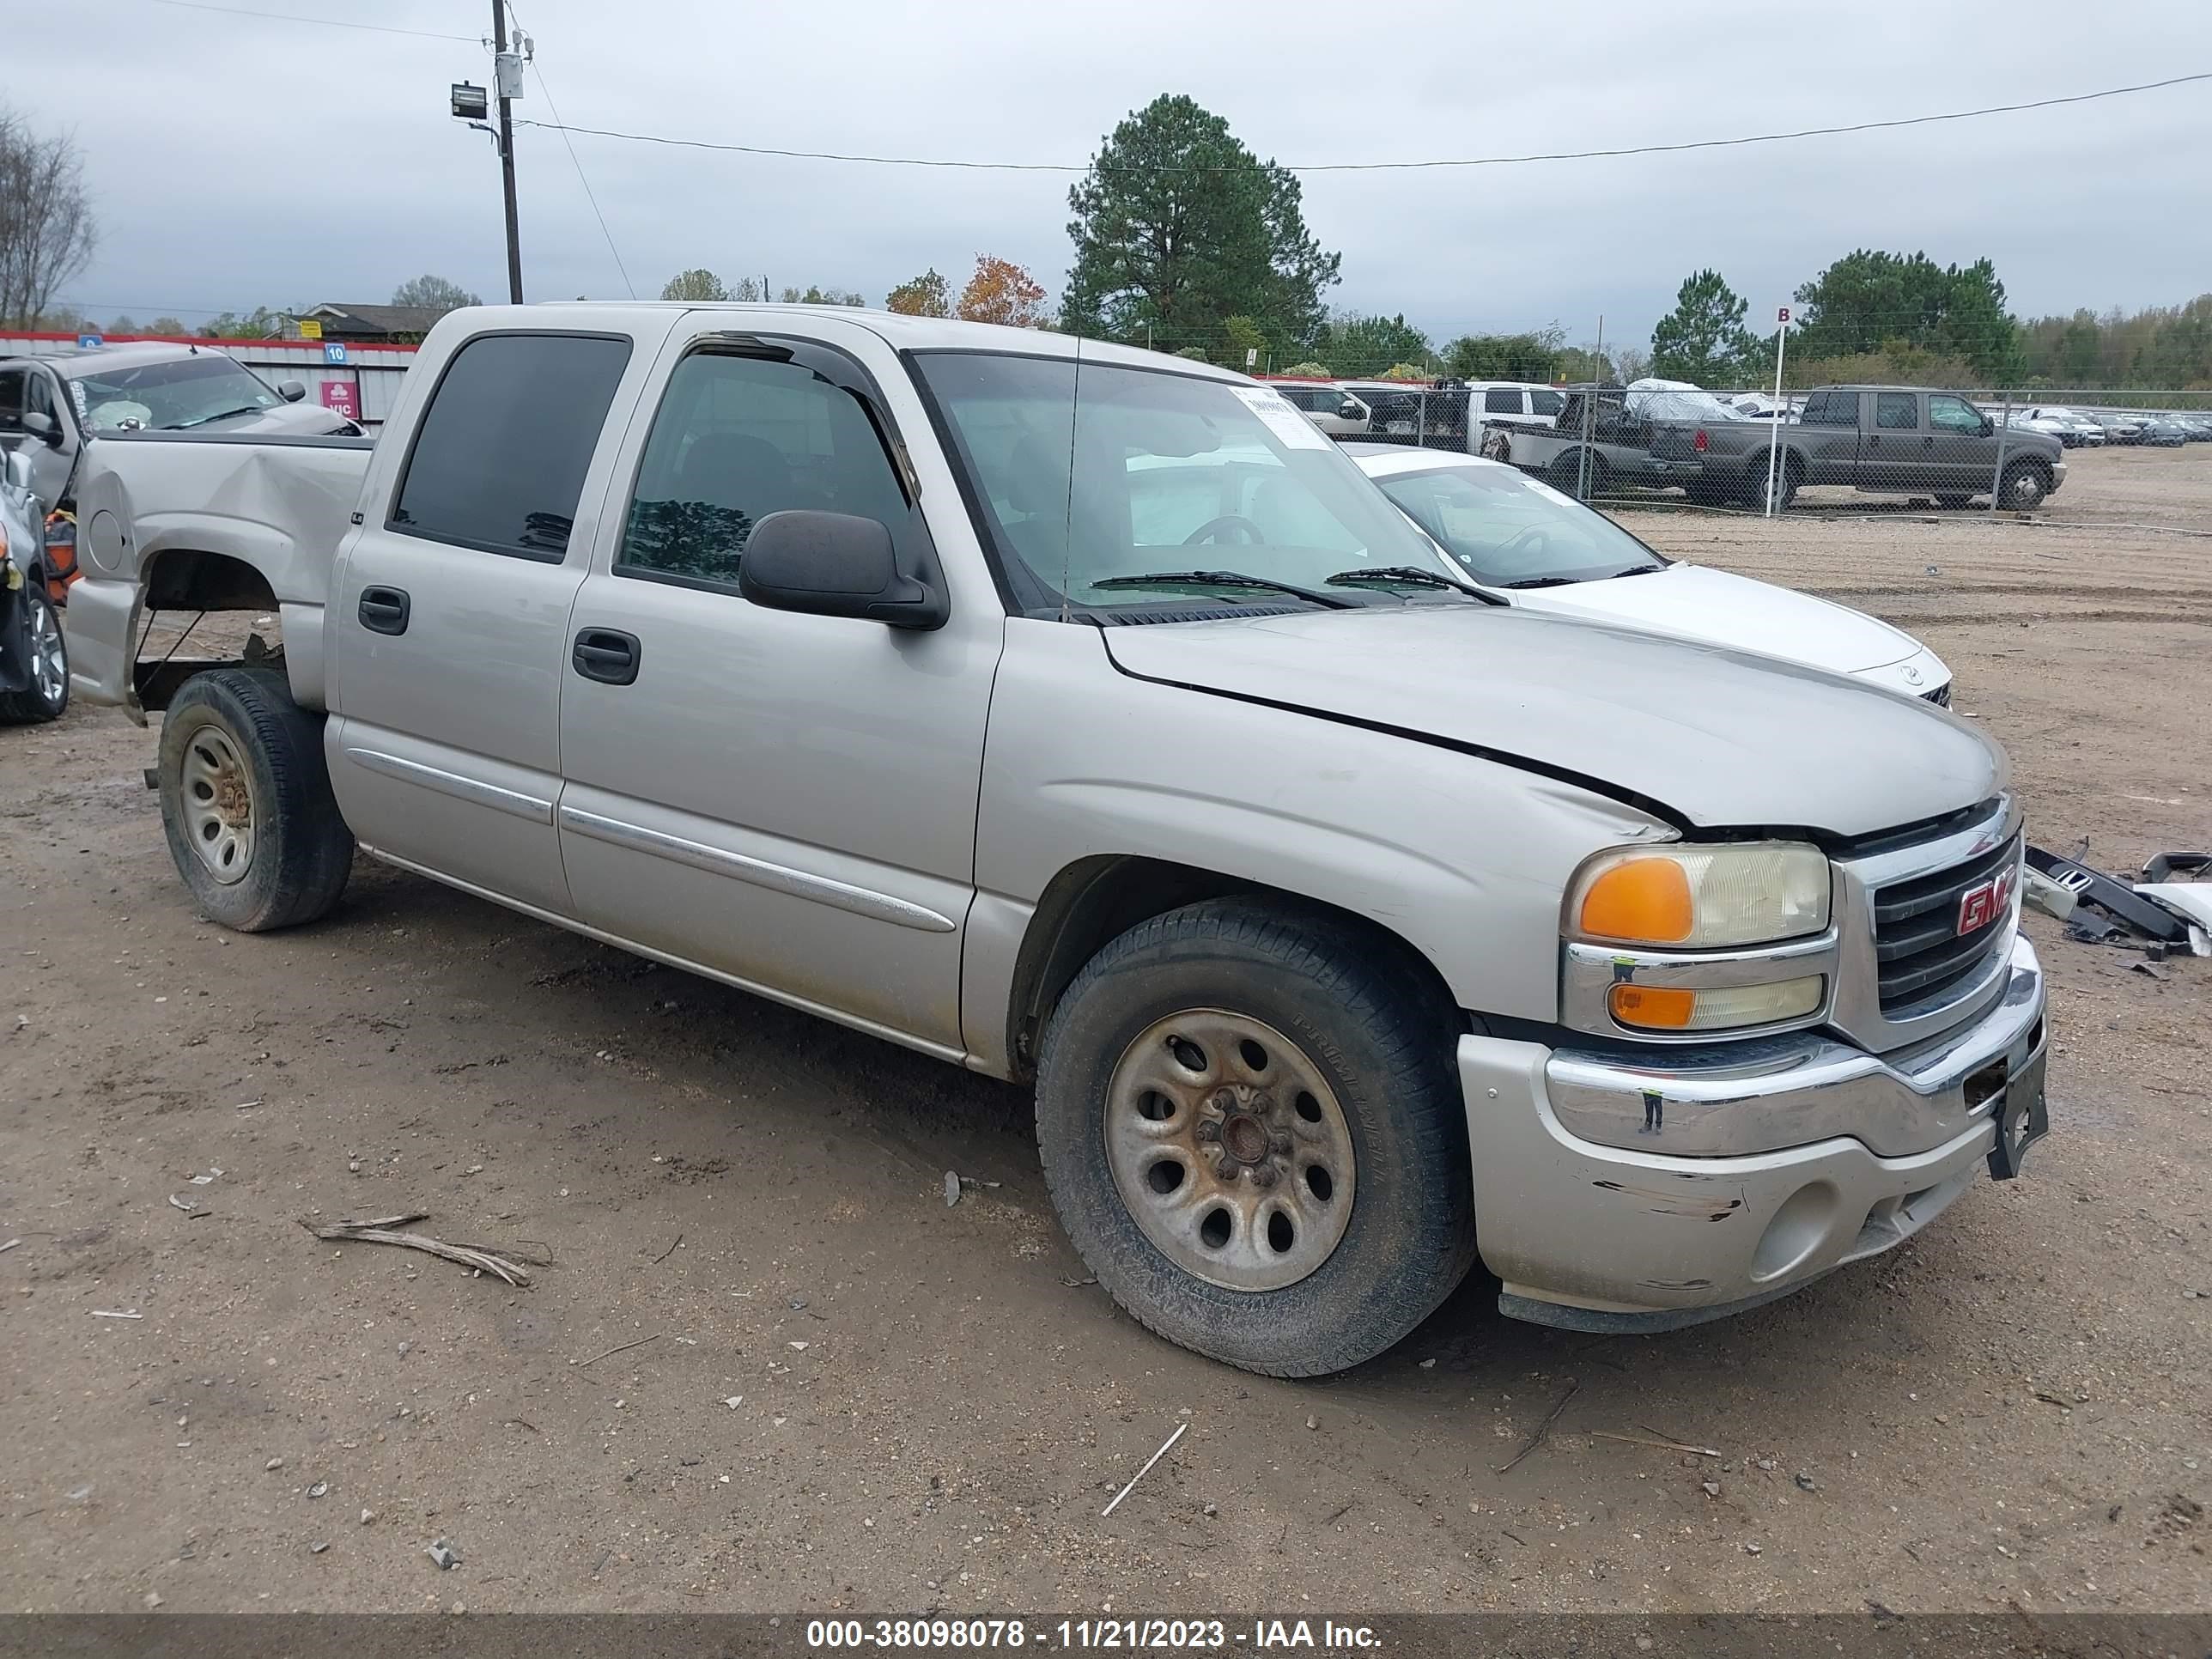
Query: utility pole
506, 149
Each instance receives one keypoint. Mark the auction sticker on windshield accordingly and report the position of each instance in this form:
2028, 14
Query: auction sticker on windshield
1284, 418
1539, 487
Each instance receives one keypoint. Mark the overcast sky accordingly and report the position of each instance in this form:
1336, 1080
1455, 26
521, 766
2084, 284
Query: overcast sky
236, 161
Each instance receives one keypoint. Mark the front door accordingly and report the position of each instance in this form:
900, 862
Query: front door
448, 628
1962, 449
28, 389
786, 801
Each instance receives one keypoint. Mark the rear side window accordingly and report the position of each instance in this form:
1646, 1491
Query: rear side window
1502, 400
1831, 409
500, 456
1896, 411
736, 438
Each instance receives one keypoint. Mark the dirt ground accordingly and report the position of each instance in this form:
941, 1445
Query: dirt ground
767, 1368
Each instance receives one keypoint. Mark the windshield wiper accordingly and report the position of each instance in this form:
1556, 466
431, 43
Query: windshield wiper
1227, 578
1543, 581
1635, 570
1409, 572
220, 414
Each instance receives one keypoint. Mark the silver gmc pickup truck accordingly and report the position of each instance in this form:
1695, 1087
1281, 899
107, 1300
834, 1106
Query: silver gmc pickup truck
1082, 715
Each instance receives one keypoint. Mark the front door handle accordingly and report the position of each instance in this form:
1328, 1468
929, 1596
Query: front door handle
607, 655
384, 609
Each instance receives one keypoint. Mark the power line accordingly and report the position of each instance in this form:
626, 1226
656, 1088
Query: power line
589, 195
1384, 166
327, 22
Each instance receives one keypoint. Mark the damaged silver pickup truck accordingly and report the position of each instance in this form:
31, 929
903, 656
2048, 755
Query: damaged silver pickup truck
1083, 716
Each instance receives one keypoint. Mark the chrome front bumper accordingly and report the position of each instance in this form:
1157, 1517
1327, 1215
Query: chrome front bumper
1612, 1195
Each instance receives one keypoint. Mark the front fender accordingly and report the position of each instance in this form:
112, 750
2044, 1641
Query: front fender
1465, 858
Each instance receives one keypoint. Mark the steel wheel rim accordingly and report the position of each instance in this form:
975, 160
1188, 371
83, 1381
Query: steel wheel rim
217, 796
1230, 1149
48, 661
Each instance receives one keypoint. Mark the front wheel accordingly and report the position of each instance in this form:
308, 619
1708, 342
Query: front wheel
246, 802
45, 691
1253, 1135
2026, 484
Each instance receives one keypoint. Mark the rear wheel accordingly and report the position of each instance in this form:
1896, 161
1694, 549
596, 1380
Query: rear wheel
45, 693
246, 802
1573, 475
1253, 1137
1783, 484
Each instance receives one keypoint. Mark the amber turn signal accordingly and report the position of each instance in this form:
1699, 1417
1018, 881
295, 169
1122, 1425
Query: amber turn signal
1646, 899
1654, 1007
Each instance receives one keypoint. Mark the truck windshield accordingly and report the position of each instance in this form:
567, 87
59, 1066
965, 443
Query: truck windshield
169, 395
1112, 473
1511, 530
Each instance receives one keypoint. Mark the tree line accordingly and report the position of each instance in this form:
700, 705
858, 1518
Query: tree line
1185, 241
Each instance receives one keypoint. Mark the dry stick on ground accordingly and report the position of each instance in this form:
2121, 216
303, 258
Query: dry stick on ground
670, 1251
1663, 1445
383, 1230
611, 1353
1543, 1428
1142, 1473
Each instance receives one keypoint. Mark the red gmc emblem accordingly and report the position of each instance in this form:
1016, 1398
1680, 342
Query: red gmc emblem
1980, 906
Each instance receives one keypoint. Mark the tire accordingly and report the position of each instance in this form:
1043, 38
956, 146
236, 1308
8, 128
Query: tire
1337, 1024
1565, 476
1789, 480
48, 693
2024, 486
246, 802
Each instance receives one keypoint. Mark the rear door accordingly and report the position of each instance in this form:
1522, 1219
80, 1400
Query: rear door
787, 801
448, 625
1827, 436
1895, 453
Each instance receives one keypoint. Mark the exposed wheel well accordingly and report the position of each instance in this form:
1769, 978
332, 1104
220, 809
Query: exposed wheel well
1095, 900
187, 579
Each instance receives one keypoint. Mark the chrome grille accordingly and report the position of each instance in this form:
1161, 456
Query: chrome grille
1919, 954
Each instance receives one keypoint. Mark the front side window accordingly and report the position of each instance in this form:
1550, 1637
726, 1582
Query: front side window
739, 437
501, 453
1512, 531
174, 395
1956, 415
1896, 411
1105, 484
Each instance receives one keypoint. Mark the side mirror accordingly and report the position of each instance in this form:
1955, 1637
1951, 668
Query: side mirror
43, 426
1349, 409
16, 469
291, 391
834, 564
1988, 426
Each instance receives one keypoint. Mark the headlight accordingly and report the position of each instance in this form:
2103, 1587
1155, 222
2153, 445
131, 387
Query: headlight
1700, 897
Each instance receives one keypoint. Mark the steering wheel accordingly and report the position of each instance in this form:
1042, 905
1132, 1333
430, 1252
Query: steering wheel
1533, 541
1246, 531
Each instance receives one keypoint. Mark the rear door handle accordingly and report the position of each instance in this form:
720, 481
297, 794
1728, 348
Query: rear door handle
607, 655
384, 609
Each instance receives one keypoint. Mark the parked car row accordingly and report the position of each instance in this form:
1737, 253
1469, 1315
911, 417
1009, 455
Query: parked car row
1540, 921
2080, 428
1440, 415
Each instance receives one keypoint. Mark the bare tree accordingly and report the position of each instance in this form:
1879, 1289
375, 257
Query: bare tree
46, 232
434, 293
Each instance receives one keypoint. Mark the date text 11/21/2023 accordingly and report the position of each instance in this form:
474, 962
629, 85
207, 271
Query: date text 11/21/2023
1198, 1635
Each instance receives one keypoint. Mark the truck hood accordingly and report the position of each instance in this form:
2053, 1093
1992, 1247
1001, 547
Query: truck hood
288, 420
1693, 603
1719, 738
